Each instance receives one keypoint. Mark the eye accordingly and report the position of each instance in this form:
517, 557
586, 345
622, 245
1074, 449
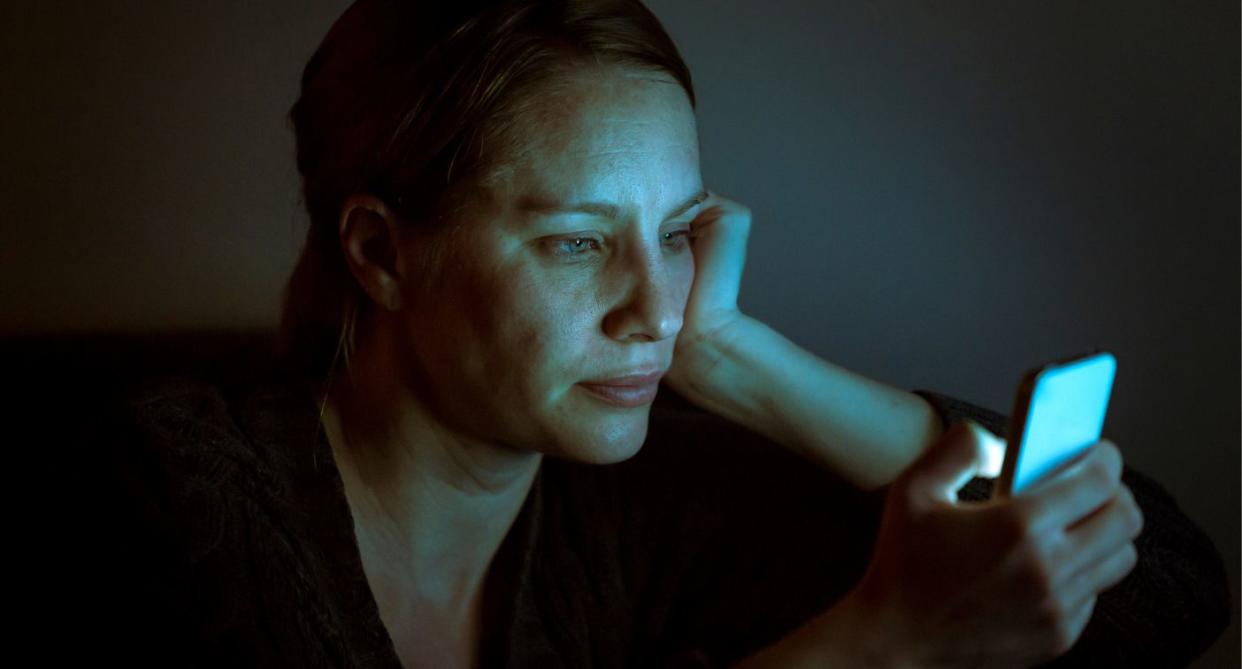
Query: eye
678, 239
574, 246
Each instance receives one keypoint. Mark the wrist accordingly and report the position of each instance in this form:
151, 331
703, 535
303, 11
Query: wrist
708, 367
846, 635
855, 630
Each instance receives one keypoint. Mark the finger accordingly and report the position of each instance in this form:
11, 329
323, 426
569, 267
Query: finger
1104, 574
1122, 504
1077, 490
1058, 634
721, 231
1117, 567
994, 455
1101, 534
1082, 616
949, 464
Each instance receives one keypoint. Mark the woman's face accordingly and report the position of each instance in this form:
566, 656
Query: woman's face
540, 293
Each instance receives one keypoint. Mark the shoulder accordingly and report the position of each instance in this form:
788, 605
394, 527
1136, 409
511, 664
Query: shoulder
218, 433
180, 457
202, 477
184, 435
186, 420
208, 538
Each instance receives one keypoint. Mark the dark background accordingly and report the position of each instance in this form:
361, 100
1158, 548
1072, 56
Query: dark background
945, 194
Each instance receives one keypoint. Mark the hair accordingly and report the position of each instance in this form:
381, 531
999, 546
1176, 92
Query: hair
400, 100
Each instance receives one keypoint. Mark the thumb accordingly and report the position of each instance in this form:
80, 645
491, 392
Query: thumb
964, 451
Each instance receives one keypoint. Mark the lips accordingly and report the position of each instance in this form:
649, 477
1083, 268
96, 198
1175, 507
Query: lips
630, 380
625, 396
634, 390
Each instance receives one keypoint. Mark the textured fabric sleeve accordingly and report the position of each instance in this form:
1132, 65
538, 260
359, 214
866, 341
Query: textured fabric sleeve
136, 584
1170, 608
185, 573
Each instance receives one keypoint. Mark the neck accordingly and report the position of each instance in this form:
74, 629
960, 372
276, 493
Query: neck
430, 506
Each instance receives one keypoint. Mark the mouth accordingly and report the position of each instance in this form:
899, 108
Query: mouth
641, 378
629, 396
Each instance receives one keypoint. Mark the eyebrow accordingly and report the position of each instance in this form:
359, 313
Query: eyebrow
537, 205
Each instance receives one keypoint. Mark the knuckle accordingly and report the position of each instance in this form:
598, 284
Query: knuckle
1109, 458
1139, 523
1129, 495
1102, 475
1112, 454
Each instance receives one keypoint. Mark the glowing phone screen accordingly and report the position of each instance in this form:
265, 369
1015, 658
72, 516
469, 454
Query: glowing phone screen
1068, 405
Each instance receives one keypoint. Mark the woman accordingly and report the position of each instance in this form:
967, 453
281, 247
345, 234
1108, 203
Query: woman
530, 249
510, 244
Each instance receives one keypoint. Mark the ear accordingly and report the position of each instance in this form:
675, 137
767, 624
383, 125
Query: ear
370, 240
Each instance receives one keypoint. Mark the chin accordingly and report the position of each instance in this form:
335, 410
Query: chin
598, 456
613, 442
594, 432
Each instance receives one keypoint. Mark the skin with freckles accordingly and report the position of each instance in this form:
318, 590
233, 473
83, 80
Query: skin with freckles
536, 300
462, 383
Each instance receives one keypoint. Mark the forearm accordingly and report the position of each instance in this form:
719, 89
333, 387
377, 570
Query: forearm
858, 427
838, 637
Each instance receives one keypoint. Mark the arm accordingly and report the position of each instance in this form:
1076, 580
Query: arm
839, 637
858, 427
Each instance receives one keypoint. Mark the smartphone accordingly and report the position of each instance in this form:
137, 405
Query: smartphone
1057, 415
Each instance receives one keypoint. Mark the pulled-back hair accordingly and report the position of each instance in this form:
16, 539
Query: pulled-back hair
401, 100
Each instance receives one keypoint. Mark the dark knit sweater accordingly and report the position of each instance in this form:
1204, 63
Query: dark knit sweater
229, 542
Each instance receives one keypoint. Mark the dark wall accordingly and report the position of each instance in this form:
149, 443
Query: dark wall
945, 194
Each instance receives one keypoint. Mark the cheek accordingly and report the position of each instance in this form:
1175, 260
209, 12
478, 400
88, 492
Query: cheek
531, 324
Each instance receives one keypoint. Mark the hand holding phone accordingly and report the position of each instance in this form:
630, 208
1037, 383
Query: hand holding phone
1009, 583
1058, 414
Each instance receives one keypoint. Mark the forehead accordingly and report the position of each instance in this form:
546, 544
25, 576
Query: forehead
608, 129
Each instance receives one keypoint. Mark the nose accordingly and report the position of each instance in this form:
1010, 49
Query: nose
652, 306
